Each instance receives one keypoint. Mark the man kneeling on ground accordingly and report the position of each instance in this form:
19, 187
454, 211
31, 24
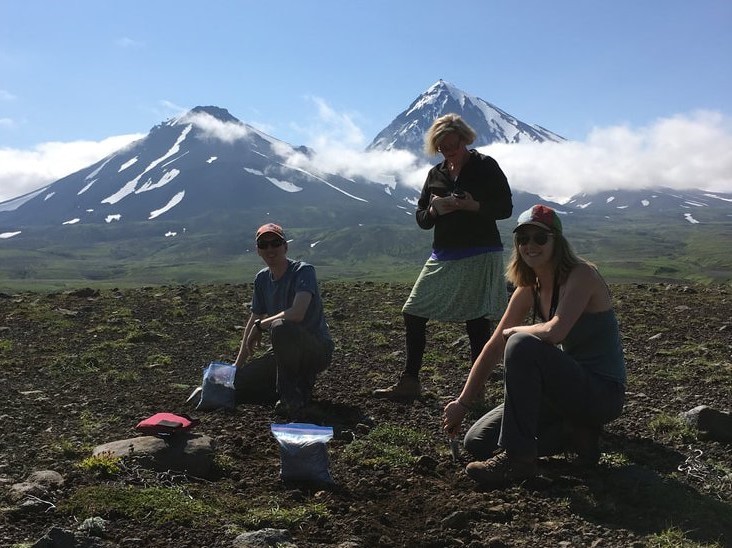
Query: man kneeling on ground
286, 304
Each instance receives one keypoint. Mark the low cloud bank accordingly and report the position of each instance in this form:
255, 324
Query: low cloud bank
23, 171
683, 151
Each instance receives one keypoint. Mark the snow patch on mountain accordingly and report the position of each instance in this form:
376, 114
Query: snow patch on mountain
716, 197
127, 164
130, 187
96, 171
284, 185
15, 203
164, 180
331, 185
86, 187
6, 235
166, 164
174, 201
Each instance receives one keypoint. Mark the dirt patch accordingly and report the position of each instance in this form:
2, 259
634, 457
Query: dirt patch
82, 368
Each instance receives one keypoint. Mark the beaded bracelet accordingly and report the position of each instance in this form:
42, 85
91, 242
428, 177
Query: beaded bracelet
461, 404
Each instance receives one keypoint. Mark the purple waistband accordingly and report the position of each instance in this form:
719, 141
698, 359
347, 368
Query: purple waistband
463, 252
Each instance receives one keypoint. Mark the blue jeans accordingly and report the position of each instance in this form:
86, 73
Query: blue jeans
287, 371
545, 391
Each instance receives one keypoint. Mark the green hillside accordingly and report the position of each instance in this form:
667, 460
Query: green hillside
631, 250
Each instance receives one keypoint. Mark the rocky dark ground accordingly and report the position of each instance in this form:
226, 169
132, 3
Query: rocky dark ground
81, 368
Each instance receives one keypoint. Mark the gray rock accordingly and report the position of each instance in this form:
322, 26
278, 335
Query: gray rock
94, 527
264, 538
189, 453
21, 491
56, 537
38, 485
47, 478
716, 425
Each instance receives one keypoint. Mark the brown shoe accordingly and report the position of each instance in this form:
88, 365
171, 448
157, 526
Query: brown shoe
500, 471
407, 388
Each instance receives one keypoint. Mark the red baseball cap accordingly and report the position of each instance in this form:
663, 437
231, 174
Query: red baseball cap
270, 228
542, 216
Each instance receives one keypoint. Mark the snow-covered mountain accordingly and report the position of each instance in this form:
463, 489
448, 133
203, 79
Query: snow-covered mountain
492, 124
667, 205
207, 172
201, 165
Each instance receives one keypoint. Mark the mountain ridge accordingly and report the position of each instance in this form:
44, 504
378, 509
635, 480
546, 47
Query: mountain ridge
193, 190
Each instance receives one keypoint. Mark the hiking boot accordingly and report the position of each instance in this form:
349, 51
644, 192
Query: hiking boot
407, 388
500, 471
286, 410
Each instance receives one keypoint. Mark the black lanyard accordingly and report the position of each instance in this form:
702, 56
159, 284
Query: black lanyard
552, 306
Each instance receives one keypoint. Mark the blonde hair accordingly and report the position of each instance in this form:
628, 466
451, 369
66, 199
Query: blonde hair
444, 126
564, 260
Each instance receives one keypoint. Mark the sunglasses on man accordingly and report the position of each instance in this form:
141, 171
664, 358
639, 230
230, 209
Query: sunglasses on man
539, 238
266, 244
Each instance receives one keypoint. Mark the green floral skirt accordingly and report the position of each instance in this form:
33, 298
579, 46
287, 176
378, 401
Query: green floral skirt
460, 290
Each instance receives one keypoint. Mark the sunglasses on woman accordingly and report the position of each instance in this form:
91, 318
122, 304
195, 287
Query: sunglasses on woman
266, 244
539, 238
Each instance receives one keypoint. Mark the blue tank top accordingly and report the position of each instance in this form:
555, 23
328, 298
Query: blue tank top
594, 341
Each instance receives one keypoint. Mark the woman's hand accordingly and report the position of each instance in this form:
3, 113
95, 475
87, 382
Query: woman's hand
452, 418
450, 203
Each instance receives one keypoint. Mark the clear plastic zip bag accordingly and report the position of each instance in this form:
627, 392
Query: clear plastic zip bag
303, 452
217, 389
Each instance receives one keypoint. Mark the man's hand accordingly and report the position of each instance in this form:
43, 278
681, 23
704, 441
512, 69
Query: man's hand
253, 340
242, 357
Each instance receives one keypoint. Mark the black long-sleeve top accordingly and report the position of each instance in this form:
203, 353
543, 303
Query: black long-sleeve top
486, 182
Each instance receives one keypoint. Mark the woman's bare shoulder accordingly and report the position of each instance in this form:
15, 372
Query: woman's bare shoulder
587, 276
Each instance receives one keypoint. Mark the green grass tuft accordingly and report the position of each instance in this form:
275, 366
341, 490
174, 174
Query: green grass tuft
386, 446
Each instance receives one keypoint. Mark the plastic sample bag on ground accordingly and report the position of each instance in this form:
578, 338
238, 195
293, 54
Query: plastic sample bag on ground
303, 451
217, 389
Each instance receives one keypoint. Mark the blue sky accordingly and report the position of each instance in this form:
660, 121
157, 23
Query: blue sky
80, 78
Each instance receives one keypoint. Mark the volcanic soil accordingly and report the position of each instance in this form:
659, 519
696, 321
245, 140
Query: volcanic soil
82, 367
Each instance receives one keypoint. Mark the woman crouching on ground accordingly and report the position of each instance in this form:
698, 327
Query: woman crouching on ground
555, 399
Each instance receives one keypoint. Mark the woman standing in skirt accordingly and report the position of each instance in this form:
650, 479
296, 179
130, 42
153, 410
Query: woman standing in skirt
463, 280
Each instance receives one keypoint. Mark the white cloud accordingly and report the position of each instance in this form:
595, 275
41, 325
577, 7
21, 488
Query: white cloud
683, 151
5, 95
213, 128
379, 166
7, 122
331, 128
22, 171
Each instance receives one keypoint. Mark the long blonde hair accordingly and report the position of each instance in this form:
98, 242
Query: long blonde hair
444, 126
